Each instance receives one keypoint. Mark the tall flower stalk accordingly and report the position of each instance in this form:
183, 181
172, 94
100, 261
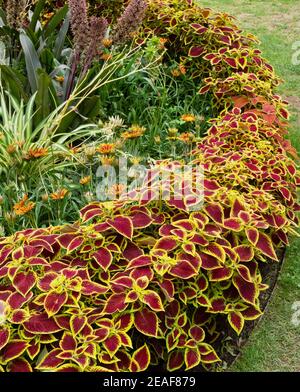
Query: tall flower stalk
79, 24
130, 21
97, 30
88, 34
15, 12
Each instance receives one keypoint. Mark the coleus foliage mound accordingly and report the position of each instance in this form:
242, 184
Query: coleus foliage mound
135, 284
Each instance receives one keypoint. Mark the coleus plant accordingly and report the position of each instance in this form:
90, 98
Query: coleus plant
136, 283
139, 283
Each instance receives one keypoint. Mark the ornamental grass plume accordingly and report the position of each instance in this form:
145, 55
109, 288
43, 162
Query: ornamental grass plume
130, 21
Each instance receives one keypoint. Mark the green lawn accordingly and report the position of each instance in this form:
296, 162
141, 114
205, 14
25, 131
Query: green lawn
275, 344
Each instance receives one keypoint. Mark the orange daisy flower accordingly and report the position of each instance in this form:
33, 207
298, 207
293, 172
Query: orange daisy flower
107, 161
172, 132
186, 137
59, 195
134, 132
188, 117
85, 180
175, 72
20, 143
182, 69
23, 206
60, 79
46, 17
135, 160
106, 57
74, 150
106, 148
116, 190
107, 42
37, 153
11, 149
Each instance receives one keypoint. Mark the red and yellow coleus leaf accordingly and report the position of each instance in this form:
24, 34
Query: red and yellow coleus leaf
168, 288
68, 368
140, 261
175, 360
44, 283
219, 274
244, 272
41, 324
146, 322
215, 211
236, 320
54, 301
215, 250
141, 357
112, 344
153, 300
192, 357
233, 224
197, 333
140, 219
210, 357
89, 212
68, 342
125, 339
218, 305
101, 334
265, 245
123, 225
252, 235
124, 322
209, 262
14, 349
33, 349
183, 269
103, 257
172, 340
89, 287
245, 252
19, 365
4, 337
77, 323
196, 51
115, 303
51, 360
251, 313
24, 282
247, 290
166, 244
